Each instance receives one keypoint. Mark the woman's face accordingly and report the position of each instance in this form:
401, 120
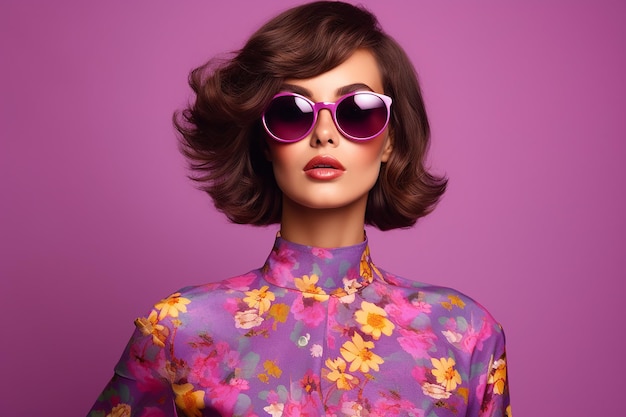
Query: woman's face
350, 168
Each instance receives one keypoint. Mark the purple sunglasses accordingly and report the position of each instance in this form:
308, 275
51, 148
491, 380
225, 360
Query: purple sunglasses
359, 116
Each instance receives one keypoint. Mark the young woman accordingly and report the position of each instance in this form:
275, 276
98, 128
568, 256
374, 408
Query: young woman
317, 124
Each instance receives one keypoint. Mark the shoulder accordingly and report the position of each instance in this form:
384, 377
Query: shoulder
236, 284
198, 306
206, 297
442, 302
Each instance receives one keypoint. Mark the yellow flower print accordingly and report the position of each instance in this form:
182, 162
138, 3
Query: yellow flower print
358, 353
279, 312
464, 393
454, 300
189, 400
272, 369
367, 269
151, 326
508, 411
260, 299
120, 410
306, 284
498, 376
172, 305
445, 373
373, 320
263, 378
338, 374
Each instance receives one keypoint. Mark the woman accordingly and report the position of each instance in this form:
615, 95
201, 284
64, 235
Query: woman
317, 124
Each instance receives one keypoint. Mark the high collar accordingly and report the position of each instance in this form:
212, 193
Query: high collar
337, 271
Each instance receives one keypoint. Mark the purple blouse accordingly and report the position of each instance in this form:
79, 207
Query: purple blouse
314, 332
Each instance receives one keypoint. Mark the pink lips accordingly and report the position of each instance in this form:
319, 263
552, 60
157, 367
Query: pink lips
324, 167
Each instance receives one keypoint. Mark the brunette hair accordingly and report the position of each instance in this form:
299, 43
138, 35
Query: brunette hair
223, 138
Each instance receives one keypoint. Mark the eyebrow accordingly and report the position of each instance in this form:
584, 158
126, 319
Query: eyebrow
341, 91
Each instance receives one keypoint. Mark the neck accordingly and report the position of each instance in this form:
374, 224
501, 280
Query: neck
323, 228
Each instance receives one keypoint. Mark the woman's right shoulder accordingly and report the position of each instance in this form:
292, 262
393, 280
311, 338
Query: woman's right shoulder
230, 287
194, 305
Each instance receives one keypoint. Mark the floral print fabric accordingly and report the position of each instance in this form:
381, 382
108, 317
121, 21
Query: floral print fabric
315, 332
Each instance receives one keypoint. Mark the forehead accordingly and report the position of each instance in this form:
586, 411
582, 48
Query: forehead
360, 68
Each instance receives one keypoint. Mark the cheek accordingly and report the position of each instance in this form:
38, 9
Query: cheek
284, 161
374, 152
279, 155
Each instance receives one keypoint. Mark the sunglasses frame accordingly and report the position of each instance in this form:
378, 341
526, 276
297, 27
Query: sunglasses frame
332, 107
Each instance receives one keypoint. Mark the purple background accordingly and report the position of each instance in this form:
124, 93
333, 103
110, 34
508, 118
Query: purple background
97, 221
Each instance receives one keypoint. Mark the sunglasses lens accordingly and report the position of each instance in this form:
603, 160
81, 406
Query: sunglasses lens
289, 117
362, 115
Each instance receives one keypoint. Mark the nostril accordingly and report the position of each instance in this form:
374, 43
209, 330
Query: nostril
319, 141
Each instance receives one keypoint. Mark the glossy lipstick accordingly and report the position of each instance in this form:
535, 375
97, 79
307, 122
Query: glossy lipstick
324, 167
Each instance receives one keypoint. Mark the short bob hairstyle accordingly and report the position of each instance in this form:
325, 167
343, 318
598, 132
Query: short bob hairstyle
224, 141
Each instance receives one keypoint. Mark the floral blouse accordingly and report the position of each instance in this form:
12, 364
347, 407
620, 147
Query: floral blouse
314, 332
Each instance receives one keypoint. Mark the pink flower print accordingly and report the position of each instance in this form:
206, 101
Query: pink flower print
392, 279
306, 407
292, 409
322, 253
273, 397
385, 407
143, 369
381, 290
421, 306
473, 339
416, 343
280, 276
152, 412
224, 396
240, 283
484, 394
281, 263
204, 370
352, 273
470, 339
231, 359
401, 310
450, 324
231, 305
311, 312
241, 384
419, 374
351, 408
283, 257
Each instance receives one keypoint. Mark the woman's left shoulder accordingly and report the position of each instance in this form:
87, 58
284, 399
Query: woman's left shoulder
440, 300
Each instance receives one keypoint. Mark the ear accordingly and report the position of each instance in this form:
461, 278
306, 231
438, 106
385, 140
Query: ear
387, 149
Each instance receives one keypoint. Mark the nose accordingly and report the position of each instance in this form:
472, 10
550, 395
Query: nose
325, 132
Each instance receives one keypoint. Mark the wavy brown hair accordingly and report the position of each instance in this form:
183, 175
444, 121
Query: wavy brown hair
223, 139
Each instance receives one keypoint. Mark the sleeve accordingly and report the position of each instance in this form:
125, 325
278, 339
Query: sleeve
140, 386
493, 387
